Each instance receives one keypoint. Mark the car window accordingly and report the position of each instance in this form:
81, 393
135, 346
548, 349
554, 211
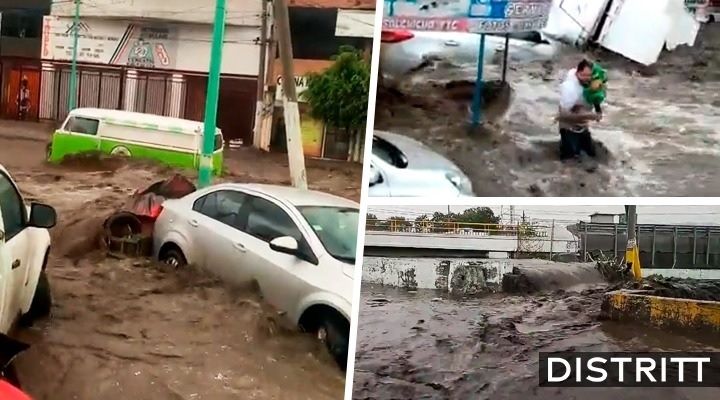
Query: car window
85, 126
11, 207
223, 206
336, 228
267, 221
389, 153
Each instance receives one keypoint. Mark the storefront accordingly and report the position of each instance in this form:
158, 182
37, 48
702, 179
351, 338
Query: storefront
153, 67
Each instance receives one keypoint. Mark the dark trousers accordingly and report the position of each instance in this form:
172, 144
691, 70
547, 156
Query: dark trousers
572, 144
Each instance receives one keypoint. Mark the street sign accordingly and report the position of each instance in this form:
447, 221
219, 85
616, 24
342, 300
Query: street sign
476, 16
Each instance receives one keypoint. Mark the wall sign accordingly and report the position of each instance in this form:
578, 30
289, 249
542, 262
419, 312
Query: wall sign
477, 16
148, 44
300, 86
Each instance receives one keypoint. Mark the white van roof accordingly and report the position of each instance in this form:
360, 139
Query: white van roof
140, 120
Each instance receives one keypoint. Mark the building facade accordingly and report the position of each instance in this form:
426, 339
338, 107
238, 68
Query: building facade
319, 28
153, 56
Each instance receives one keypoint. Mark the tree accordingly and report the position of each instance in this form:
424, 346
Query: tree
372, 223
339, 96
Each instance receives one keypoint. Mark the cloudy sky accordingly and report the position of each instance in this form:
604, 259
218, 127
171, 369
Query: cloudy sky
692, 215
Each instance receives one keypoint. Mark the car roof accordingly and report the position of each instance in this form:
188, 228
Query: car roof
402, 142
296, 197
136, 119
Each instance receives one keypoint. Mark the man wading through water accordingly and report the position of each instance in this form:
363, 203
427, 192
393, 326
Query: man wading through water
580, 93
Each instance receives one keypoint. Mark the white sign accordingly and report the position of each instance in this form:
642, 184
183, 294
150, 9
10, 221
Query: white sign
355, 23
479, 16
151, 44
300, 86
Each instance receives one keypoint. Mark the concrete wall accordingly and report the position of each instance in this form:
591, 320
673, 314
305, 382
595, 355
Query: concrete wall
439, 241
662, 312
461, 276
239, 12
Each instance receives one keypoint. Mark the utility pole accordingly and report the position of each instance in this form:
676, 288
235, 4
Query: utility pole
552, 238
262, 78
213, 92
632, 252
72, 99
296, 157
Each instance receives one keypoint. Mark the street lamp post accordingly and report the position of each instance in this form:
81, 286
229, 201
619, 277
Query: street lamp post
211, 101
72, 98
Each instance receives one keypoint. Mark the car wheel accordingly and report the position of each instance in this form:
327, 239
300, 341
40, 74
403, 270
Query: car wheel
336, 340
174, 258
120, 151
41, 302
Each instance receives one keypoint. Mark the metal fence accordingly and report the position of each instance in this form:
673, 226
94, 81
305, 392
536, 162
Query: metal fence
661, 246
158, 94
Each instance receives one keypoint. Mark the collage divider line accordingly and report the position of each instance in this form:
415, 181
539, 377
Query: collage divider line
367, 151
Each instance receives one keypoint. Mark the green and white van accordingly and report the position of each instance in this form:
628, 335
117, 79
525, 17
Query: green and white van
171, 141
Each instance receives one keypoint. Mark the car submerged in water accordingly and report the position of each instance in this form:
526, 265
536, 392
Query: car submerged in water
402, 51
403, 167
297, 245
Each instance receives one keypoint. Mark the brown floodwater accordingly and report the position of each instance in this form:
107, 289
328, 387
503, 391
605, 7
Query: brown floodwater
422, 345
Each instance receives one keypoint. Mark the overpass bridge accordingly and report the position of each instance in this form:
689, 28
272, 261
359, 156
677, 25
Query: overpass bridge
451, 239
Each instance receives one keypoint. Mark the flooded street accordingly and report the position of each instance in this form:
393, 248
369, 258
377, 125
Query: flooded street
422, 345
130, 329
659, 126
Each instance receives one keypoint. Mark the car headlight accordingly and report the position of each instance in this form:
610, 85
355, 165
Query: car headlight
461, 182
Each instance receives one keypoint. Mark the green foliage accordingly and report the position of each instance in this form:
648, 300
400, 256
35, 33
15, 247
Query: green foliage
339, 95
476, 215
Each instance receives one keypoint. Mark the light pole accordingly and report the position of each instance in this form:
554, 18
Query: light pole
632, 252
72, 99
211, 101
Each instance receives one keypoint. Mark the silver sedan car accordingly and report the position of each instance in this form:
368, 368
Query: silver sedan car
403, 167
403, 51
297, 245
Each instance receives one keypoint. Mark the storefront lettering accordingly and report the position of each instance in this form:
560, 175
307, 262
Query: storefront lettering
527, 10
425, 24
300, 81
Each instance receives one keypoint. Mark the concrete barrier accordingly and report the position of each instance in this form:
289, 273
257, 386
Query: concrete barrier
460, 275
664, 312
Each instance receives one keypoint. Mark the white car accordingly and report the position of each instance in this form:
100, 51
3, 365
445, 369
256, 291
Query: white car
297, 245
403, 51
403, 167
24, 249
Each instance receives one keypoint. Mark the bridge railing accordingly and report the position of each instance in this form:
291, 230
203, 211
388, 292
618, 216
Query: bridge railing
523, 230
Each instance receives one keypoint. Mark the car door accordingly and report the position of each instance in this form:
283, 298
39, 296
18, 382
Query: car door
278, 275
216, 221
14, 215
5, 279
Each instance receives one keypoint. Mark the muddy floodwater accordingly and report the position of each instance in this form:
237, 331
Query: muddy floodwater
130, 329
659, 135
421, 345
